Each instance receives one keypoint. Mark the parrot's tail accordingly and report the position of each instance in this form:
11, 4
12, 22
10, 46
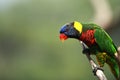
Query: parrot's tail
114, 66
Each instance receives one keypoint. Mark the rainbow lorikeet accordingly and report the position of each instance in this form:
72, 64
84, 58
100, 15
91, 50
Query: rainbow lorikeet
97, 40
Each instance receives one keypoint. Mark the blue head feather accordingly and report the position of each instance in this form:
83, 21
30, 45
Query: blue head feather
63, 29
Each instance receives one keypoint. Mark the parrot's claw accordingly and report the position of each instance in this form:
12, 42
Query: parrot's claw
87, 50
97, 68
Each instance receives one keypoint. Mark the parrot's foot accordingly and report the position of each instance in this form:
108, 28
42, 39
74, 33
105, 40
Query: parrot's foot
97, 68
101, 58
87, 50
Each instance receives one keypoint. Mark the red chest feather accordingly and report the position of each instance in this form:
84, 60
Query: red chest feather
88, 37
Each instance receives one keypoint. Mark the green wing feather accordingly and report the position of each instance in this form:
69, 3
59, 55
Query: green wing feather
102, 39
105, 42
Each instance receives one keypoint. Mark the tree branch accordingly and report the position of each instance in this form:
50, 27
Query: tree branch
117, 55
103, 15
96, 70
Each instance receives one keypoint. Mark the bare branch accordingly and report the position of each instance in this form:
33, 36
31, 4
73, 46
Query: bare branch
117, 55
96, 70
102, 13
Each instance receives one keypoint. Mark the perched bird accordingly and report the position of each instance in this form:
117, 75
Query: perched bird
98, 41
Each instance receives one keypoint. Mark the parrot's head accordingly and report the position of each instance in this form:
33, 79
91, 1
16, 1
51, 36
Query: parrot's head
70, 30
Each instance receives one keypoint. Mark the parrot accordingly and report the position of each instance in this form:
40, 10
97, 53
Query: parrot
98, 41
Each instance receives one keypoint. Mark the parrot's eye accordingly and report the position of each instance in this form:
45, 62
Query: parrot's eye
67, 25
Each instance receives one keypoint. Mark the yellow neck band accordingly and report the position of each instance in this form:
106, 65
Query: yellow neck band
78, 26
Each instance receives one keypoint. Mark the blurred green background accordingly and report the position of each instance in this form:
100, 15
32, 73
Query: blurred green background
30, 48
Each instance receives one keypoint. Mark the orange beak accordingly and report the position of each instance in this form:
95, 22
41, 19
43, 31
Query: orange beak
63, 37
